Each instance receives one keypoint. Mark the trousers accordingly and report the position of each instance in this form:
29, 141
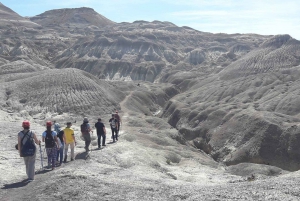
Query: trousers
103, 139
60, 153
51, 153
30, 166
72, 145
114, 134
87, 139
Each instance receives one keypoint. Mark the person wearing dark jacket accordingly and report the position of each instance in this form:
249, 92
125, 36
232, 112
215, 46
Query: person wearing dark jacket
60, 152
85, 131
114, 128
101, 132
117, 116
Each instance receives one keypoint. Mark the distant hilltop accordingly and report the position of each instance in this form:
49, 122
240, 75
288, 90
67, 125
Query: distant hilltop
71, 17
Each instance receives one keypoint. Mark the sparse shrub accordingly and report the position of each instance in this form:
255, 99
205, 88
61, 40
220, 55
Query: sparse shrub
251, 178
173, 157
129, 138
168, 161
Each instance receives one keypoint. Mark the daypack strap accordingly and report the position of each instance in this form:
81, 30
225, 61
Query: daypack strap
24, 136
47, 132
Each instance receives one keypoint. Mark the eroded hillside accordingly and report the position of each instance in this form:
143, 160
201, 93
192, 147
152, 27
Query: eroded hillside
233, 96
68, 90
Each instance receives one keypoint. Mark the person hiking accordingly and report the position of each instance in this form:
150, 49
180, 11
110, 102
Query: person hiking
23, 136
119, 120
56, 127
69, 139
101, 132
60, 151
51, 144
114, 128
85, 132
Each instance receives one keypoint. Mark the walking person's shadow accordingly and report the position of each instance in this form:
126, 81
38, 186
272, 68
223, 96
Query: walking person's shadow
16, 184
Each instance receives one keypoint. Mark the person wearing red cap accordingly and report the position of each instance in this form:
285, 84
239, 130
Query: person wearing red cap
23, 136
51, 144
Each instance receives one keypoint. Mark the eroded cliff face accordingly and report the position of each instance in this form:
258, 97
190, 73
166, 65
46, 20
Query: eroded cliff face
145, 50
236, 97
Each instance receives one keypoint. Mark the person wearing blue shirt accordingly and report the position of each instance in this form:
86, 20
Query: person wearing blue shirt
51, 144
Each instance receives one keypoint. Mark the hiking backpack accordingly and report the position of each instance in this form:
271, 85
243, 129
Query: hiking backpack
28, 149
49, 140
117, 117
84, 128
113, 123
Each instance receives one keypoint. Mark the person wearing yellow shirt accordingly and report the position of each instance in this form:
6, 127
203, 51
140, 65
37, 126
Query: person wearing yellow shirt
69, 139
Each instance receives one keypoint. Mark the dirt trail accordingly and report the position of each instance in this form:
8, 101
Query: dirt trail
125, 113
17, 190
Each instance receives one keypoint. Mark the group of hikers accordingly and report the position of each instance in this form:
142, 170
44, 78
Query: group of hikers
57, 141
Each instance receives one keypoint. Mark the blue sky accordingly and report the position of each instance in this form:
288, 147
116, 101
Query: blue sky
267, 17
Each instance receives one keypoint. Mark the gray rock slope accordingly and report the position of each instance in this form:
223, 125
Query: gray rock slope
68, 90
145, 50
235, 97
248, 111
9, 18
147, 163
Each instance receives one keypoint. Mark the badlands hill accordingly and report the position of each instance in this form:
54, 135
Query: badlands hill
201, 112
68, 90
146, 50
9, 19
71, 18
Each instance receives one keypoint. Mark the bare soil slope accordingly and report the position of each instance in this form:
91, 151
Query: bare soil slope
68, 90
195, 102
146, 163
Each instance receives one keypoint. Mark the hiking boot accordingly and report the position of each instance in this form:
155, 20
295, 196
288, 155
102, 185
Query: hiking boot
72, 159
103, 145
65, 160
